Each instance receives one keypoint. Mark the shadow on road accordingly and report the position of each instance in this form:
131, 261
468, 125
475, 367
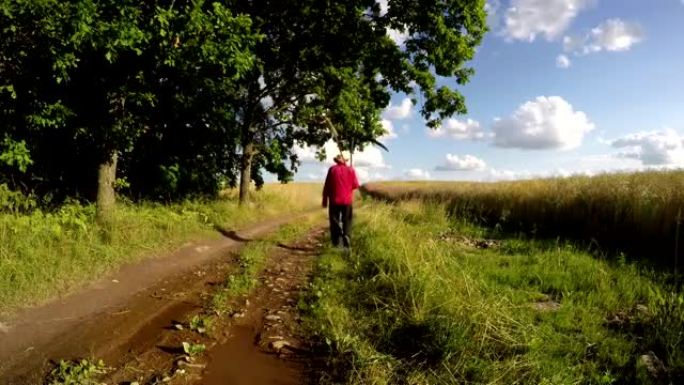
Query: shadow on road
231, 234
296, 248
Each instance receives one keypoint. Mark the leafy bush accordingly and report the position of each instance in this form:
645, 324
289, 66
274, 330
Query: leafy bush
14, 201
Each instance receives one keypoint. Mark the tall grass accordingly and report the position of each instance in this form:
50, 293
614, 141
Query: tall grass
417, 304
639, 213
46, 254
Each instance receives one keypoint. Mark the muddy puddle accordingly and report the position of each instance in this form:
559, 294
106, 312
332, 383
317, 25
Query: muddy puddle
266, 346
240, 362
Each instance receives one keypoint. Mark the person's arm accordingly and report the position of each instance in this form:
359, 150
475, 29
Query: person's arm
326, 190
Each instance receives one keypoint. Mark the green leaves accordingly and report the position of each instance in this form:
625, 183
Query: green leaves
52, 115
83, 372
15, 154
85, 79
8, 89
193, 350
443, 37
351, 111
197, 80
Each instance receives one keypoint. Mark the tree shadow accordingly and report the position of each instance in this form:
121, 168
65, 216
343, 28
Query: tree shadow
175, 350
231, 234
296, 248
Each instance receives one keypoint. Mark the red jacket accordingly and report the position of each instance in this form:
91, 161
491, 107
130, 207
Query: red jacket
340, 185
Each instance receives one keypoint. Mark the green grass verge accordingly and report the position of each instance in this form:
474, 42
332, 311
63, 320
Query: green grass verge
47, 254
419, 303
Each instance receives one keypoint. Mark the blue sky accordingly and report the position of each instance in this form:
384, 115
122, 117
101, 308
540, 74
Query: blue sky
561, 87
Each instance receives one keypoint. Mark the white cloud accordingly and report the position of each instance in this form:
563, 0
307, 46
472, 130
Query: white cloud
305, 154
389, 130
316, 175
544, 123
456, 129
362, 174
653, 148
464, 163
525, 19
616, 35
384, 7
562, 61
493, 17
266, 102
370, 157
399, 36
573, 44
402, 111
416, 174
613, 35
366, 174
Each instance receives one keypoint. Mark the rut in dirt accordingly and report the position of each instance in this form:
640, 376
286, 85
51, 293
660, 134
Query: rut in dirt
267, 345
259, 342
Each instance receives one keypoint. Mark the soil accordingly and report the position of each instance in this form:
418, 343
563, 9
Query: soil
128, 319
259, 342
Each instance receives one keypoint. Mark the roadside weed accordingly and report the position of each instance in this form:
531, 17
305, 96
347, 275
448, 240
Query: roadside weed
83, 372
200, 324
192, 349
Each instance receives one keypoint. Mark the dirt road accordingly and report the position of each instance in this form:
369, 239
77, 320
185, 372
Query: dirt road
126, 318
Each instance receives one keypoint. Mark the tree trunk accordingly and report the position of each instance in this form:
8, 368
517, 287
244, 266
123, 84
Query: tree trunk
106, 197
246, 171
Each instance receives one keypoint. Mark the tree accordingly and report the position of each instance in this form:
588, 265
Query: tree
125, 54
182, 95
334, 58
92, 75
278, 83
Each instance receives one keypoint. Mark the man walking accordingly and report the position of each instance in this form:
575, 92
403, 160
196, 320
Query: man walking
338, 193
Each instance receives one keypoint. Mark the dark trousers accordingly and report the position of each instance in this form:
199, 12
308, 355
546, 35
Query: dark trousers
340, 224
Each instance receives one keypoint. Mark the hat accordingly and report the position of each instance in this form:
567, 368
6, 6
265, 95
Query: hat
341, 157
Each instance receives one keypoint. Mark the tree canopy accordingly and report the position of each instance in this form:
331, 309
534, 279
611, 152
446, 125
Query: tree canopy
169, 98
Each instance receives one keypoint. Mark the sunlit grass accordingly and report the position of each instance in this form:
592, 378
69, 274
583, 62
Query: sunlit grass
418, 303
